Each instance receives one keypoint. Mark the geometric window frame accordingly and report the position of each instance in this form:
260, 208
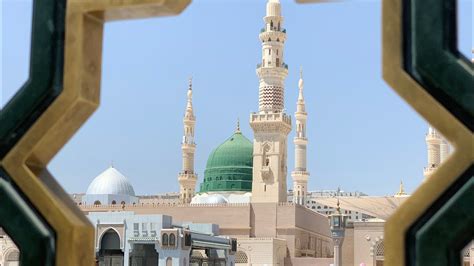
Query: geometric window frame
60, 94
47, 129
422, 64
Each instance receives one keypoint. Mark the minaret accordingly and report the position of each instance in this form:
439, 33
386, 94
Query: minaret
270, 124
433, 142
438, 151
187, 178
300, 175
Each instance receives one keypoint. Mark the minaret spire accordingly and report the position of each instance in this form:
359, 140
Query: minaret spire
189, 105
187, 178
300, 174
270, 124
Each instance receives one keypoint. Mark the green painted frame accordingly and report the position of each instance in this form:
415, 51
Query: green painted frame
45, 79
431, 57
61, 93
31, 235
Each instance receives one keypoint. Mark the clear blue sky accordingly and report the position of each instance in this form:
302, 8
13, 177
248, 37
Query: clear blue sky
362, 135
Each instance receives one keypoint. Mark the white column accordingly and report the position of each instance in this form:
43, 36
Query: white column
338, 251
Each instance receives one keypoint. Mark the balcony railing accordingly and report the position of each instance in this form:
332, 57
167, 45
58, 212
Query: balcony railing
259, 65
273, 29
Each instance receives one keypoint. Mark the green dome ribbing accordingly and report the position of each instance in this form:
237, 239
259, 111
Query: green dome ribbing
229, 166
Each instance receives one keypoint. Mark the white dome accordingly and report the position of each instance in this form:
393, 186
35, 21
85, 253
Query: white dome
110, 181
216, 199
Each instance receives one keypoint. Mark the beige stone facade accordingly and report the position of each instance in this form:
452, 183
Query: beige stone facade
288, 230
9, 253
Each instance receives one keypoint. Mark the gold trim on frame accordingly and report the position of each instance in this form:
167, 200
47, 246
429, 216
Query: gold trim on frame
436, 115
27, 161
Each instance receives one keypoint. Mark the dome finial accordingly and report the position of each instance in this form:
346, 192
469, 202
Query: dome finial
190, 82
237, 130
112, 163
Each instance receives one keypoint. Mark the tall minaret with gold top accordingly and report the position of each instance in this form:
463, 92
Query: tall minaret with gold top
300, 175
187, 177
270, 124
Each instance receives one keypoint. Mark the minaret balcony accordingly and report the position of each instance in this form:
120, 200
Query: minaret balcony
272, 36
272, 71
300, 175
270, 122
300, 140
273, 29
187, 176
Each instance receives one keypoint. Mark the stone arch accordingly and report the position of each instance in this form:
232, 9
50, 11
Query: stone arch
108, 230
165, 240
172, 239
169, 261
110, 236
241, 257
97, 202
110, 251
12, 257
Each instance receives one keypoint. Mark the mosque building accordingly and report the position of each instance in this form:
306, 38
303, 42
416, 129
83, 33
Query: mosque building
244, 187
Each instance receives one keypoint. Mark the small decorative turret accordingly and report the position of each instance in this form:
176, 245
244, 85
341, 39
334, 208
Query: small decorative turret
300, 175
187, 178
401, 191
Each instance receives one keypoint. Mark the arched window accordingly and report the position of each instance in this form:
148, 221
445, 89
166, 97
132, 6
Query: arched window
269, 39
123, 202
97, 202
271, 24
267, 162
13, 256
172, 240
269, 51
241, 257
278, 62
114, 202
169, 262
164, 240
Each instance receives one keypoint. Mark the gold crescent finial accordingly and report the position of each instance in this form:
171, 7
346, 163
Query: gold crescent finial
238, 126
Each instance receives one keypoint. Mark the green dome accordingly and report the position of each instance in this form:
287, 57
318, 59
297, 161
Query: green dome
229, 166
